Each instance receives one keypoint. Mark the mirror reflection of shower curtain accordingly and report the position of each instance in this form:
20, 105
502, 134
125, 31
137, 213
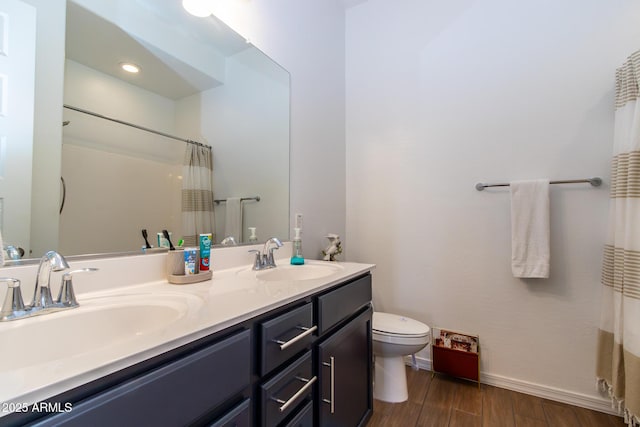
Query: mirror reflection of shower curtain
197, 193
618, 352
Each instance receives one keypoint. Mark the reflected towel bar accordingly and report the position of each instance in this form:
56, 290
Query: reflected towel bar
596, 182
244, 199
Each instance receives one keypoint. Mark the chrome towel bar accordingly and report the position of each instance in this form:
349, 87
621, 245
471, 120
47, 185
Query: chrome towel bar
595, 181
243, 199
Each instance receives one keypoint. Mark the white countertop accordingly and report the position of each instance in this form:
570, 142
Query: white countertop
232, 296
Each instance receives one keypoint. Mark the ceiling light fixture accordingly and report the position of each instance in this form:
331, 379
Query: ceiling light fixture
129, 67
197, 8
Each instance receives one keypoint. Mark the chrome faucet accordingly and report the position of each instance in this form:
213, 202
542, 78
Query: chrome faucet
14, 307
229, 240
265, 259
13, 253
51, 261
268, 251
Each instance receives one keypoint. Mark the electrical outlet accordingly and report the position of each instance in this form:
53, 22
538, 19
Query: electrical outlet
298, 221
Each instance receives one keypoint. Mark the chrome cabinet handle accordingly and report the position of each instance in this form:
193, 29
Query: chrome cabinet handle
303, 390
307, 331
332, 365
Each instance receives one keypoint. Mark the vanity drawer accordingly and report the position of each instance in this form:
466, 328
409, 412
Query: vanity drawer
304, 417
174, 394
341, 303
285, 336
237, 417
280, 396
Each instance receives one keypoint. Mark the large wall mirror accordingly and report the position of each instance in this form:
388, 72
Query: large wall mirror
123, 134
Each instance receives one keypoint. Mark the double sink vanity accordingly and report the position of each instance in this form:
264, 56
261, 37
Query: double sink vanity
285, 346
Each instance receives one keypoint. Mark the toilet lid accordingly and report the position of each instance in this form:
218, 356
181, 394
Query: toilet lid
394, 324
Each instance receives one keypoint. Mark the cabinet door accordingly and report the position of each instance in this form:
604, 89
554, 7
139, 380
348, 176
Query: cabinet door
176, 394
344, 374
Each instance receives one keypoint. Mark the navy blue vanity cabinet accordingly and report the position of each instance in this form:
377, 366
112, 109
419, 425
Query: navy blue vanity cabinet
344, 355
315, 360
185, 391
307, 363
240, 416
304, 417
286, 367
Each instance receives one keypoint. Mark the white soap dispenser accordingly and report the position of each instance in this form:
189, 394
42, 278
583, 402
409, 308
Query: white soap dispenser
296, 256
253, 238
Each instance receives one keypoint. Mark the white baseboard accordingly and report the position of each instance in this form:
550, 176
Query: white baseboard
601, 404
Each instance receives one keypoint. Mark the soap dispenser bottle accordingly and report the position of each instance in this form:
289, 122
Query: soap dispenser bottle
296, 256
253, 238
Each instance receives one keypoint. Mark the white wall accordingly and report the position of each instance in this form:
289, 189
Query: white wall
246, 121
306, 38
442, 95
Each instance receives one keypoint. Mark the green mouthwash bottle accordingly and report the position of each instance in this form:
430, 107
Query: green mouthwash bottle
296, 256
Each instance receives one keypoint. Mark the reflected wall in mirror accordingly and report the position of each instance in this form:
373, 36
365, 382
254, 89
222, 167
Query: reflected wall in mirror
199, 81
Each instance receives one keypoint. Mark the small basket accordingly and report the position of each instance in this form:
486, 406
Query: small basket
185, 279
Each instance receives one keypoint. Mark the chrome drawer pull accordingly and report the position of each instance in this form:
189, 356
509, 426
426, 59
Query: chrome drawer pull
307, 331
331, 402
303, 390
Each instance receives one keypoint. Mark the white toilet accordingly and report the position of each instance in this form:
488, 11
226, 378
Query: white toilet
394, 337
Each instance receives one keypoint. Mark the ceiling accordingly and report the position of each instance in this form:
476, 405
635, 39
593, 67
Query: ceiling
102, 45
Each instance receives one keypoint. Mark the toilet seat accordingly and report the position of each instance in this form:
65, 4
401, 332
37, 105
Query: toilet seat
396, 329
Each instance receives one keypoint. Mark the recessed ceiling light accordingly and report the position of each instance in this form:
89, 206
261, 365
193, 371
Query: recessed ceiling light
129, 67
197, 8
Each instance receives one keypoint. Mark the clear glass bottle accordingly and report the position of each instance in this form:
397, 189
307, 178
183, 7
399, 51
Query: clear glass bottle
296, 255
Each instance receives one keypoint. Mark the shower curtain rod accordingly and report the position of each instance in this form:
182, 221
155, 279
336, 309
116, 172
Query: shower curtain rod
596, 182
122, 122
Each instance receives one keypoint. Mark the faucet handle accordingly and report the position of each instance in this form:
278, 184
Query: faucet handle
273, 240
66, 296
271, 262
257, 262
13, 303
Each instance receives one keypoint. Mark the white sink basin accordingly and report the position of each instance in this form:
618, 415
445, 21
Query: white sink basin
289, 273
98, 323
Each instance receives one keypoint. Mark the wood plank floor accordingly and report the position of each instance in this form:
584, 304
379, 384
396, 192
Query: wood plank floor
443, 401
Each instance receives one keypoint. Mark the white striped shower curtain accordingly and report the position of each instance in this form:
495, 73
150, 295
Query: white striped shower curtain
197, 193
618, 352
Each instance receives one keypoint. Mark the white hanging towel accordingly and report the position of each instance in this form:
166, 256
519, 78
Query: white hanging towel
530, 228
1, 251
233, 218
